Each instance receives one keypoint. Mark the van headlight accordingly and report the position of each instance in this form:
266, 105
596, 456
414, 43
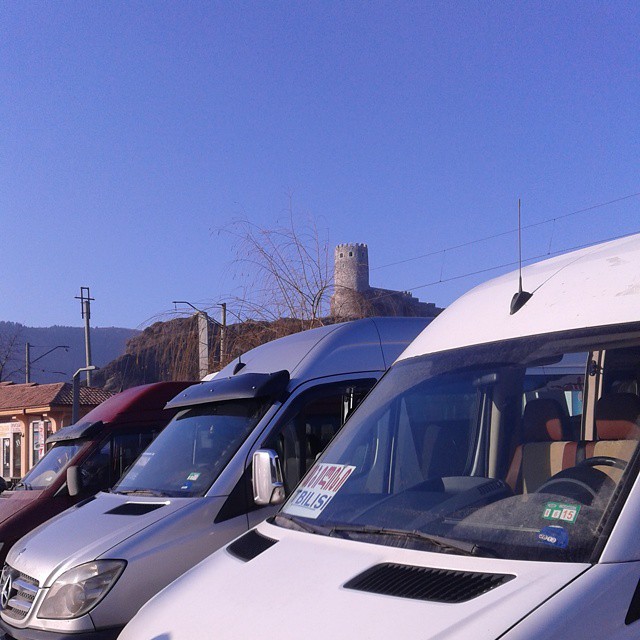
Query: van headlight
80, 589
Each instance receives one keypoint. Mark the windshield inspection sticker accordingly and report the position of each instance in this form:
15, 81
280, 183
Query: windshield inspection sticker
193, 476
554, 536
318, 489
561, 511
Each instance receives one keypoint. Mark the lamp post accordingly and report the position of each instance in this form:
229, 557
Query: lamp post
29, 361
75, 407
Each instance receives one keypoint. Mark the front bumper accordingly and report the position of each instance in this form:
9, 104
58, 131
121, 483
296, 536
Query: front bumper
12, 633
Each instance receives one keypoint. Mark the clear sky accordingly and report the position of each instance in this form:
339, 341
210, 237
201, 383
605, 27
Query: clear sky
131, 131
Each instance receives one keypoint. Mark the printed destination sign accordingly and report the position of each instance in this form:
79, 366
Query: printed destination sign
318, 489
561, 511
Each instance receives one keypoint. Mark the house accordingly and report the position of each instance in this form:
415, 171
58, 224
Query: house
29, 414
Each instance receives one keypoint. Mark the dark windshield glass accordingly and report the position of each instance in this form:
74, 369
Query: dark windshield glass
51, 465
486, 448
192, 450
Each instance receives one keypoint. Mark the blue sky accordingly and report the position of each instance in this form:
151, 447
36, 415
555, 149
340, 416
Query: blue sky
131, 131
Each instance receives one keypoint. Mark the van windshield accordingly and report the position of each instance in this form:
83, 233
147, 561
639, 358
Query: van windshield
487, 450
51, 465
191, 451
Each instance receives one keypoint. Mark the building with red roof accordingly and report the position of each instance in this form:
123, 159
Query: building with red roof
30, 413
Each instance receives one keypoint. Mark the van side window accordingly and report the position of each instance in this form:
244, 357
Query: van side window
311, 423
94, 471
104, 467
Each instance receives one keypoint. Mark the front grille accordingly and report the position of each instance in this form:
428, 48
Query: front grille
17, 592
424, 583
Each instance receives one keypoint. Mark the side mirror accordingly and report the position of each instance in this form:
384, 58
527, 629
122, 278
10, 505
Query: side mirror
74, 482
268, 487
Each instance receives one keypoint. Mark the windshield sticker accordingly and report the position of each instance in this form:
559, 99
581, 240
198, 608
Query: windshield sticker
561, 511
318, 489
144, 458
554, 536
193, 476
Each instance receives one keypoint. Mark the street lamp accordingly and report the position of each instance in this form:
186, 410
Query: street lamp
75, 407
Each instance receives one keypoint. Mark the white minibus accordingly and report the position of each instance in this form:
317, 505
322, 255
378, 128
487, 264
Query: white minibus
487, 487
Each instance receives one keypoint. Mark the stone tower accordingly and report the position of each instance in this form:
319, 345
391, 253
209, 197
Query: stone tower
351, 277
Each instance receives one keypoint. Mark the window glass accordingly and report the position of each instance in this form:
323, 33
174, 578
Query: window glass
51, 465
311, 422
94, 471
486, 449
192, 450
126, 447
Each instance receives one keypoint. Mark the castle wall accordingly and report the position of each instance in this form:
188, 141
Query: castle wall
353, 296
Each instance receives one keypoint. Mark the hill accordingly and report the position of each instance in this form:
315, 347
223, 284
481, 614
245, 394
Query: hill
107, 343
169, 350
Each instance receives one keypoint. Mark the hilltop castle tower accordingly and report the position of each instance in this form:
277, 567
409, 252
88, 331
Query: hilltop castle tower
350, 278
354, 297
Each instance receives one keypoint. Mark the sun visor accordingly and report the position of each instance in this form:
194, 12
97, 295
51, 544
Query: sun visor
249, 385
75, 431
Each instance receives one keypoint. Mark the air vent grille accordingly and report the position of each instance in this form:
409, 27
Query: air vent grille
490, 487
424, 583
135, 508
250, 545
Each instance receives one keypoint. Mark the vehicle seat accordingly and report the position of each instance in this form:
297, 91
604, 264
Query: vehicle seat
545, 449
617, 429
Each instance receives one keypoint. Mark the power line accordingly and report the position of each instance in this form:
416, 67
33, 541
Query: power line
511, 264
506, 233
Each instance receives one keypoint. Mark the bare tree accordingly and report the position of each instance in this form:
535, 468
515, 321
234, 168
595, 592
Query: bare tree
10, 342
286, 271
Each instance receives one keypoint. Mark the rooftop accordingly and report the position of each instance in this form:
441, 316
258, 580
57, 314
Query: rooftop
31, 395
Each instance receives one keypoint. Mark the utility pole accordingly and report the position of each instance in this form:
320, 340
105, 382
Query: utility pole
223, 334
85, 300
27, 363
203, 338
203, 335
203, 344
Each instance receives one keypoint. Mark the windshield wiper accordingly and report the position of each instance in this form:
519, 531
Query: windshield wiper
451, 544
28, 487
300, 525
143, 492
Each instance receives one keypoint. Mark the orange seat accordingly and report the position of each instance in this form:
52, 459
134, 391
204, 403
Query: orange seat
617, 429
545, 449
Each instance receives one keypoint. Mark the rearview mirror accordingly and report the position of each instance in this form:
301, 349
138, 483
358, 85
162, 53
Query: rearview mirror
268, 487
74, 483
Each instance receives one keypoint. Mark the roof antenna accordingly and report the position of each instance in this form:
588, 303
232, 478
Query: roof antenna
522, 297
239, 365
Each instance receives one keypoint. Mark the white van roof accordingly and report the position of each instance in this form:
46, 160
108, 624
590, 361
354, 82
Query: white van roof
591, 287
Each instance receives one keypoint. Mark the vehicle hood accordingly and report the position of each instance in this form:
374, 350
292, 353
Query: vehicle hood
11, 502
300, 581
85, 532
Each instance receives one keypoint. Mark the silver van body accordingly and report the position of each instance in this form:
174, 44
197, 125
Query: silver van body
128, 544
